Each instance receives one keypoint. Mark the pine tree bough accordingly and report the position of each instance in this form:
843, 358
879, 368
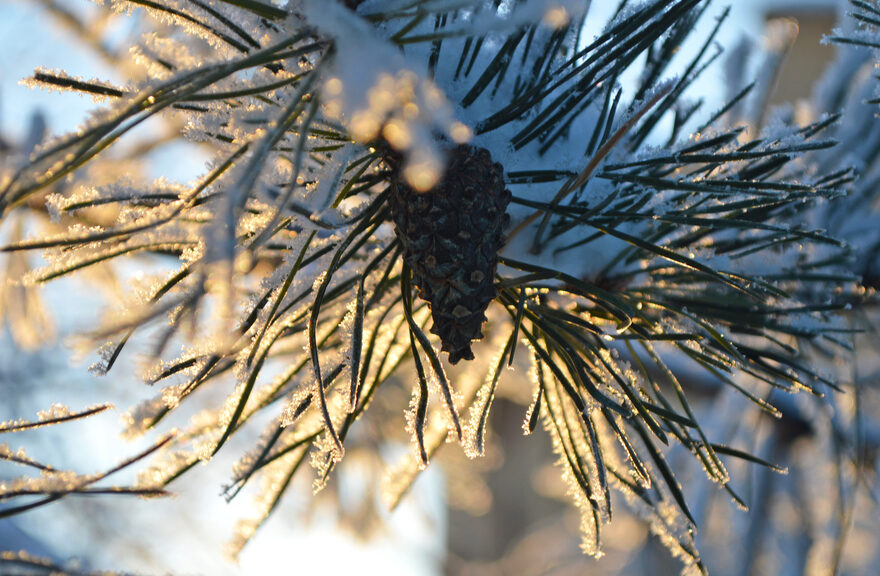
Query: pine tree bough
451, 236
666, 267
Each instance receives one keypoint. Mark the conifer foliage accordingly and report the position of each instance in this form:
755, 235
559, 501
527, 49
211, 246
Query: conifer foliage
484, 156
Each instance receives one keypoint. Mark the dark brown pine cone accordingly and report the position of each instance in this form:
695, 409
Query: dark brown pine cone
451, 236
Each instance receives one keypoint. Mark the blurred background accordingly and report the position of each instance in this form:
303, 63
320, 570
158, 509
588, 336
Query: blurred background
504, 514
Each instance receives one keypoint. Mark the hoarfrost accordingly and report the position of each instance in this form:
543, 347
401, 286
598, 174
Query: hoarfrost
379, 92
477, 423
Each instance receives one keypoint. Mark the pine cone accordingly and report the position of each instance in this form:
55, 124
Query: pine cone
451, 236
